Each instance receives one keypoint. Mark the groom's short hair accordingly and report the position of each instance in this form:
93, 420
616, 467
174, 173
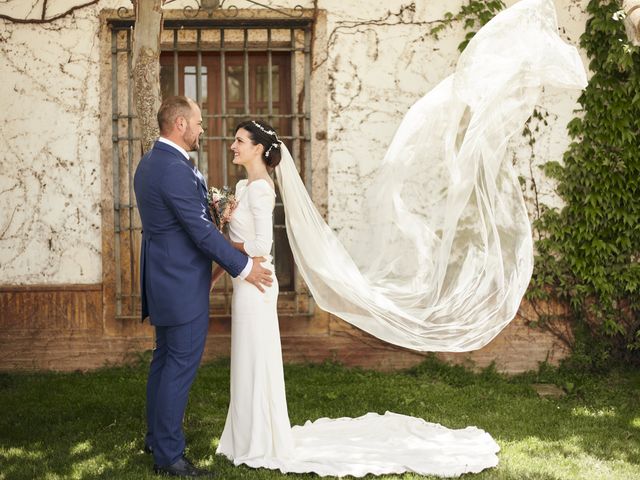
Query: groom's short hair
172, 108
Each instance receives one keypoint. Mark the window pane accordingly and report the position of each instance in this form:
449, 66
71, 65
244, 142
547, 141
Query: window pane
190, 82
235, 83
233, 121
203, 71
262, 87
262, 111
166, 80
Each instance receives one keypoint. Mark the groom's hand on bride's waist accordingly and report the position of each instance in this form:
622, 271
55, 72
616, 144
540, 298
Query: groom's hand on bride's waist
259, 276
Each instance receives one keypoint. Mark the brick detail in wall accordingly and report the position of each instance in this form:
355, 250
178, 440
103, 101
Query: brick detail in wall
44, 310
62, 328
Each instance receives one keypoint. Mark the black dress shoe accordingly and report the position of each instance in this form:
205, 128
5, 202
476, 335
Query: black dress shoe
182, 468
148, 448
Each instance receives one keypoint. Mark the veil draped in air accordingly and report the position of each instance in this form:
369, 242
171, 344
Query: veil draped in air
449, 247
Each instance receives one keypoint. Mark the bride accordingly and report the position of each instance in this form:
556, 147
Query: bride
453, 255
257, 431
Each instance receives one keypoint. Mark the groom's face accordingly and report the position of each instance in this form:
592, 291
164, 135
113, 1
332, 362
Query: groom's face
193, 129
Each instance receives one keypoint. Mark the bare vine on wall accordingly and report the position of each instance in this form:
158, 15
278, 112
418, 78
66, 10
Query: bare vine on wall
404, 16
529, 132
146, 51
44, 10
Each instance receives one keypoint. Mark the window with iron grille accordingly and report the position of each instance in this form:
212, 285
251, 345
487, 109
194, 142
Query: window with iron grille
235, 70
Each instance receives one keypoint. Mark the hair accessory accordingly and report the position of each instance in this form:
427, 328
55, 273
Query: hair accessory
273, 145
276, 144
268, 132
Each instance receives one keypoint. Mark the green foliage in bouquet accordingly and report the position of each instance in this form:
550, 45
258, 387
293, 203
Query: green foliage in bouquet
588, 256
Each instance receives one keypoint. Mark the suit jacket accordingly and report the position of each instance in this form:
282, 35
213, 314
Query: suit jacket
179, 240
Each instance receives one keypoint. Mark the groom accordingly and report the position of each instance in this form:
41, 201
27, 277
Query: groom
179, 242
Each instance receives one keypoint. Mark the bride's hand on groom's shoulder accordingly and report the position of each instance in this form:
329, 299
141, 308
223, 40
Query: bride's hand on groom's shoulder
259, 276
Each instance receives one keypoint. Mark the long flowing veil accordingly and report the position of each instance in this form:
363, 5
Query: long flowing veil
449, 247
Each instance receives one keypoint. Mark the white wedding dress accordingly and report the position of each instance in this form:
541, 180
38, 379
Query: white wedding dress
257, 431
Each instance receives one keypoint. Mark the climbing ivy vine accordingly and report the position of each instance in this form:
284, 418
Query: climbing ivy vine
473, 14
587, 268
588, 255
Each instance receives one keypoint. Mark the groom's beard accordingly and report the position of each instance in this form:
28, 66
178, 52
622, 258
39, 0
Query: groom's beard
193, 142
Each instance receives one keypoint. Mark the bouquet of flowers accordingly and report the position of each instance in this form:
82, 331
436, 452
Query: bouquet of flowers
222, 202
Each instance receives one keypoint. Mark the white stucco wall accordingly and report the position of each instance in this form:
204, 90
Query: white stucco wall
379, 60
49, 165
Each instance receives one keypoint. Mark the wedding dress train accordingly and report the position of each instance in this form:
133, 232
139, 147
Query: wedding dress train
257, 431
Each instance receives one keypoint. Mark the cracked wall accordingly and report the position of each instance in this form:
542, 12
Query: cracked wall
369, 65
50, 165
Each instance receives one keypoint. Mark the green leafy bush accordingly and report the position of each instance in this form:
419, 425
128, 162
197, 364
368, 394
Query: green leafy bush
588, 253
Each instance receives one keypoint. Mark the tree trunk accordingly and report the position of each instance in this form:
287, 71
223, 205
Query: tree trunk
146, 68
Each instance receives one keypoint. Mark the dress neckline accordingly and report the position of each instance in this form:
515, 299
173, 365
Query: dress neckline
245, 183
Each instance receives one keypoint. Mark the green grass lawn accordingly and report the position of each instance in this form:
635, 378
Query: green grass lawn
91, 425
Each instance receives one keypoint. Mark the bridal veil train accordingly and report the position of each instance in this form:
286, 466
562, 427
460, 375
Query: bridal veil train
450, 239
453, 257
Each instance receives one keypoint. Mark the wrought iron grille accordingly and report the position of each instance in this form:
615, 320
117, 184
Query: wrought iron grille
235, 69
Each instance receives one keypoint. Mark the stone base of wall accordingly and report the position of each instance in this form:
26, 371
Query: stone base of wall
61, 328
518, 348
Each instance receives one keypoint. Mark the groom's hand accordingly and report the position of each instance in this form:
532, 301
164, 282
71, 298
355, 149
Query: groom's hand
259, 276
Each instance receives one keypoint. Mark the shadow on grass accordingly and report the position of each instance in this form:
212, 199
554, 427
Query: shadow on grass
91, 425
599, 420
73, 425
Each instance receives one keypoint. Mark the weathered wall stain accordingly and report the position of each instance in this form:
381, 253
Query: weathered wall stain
375, 62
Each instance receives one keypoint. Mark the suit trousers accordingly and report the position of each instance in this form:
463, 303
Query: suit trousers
175, 362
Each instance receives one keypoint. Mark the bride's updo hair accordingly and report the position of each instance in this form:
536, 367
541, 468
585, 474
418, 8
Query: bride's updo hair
264, 134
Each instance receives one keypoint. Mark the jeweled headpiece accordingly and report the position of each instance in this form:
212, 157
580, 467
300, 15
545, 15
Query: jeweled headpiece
276, 144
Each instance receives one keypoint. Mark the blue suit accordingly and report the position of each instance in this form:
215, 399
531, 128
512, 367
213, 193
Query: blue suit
179, 242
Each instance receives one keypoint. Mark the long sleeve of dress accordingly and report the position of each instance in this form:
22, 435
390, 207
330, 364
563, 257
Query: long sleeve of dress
261, 203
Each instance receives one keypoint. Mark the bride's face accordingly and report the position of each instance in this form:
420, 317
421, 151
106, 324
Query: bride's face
244, 151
